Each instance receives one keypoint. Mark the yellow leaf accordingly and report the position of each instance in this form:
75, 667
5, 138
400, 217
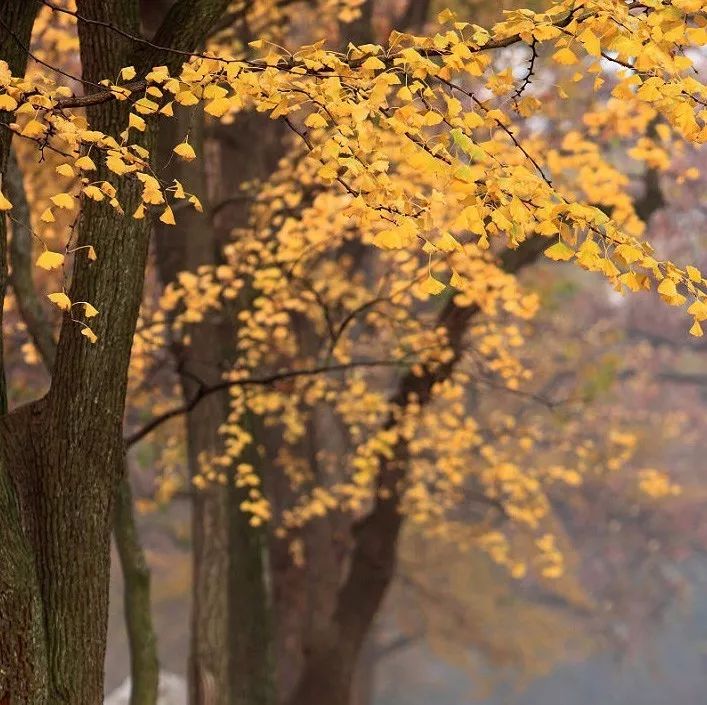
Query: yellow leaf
128, 73
94, 193
117, 165
136, 121
629, 253
185, 151
186, 98
34, 129
315, 120
50, 260
559, 251
61, 300
433, 286
372, 63
447, 243
590, 42
47, 216
693, 273
7, 102
91, 253
667, 288
565, 57
167, 216
196, 203
696, 329
89, 310
86, 331
458, 281
85, 163
217, 107
5, 205
139, 213
65, 170
63, 200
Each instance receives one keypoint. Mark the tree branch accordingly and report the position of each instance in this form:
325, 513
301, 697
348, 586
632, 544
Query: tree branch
30, 307
204, 391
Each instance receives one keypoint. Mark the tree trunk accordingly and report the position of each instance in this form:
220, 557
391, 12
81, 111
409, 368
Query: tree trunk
62, 455
231, 641
331, 663
142, 643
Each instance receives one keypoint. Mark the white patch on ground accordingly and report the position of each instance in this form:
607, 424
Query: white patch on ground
172, 691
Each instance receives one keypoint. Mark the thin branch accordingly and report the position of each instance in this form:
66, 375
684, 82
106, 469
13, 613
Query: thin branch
205, 391
33, 315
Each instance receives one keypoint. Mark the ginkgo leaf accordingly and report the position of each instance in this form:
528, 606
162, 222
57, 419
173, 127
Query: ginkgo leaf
560, 251
117, 165
128, 73
91, 253
136, 122
63, 200
667, 288
186, 98
94, 193
565, 57
433, 286
696, 329
185, 151
86, 331
5, 205
196, 203
34, 129
50, 260
590, 42
218, 107
693, 273
167, 216
89, 310
315, 120
372, 63
458, 281
61, 300
7, 102
139, 213
47, 216
65, 170
85, 163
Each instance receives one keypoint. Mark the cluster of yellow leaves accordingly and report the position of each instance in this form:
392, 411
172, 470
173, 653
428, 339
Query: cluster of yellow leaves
412, 88
415, 150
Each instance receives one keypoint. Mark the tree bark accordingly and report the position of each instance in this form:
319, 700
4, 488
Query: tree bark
231, 641
142, 641
23, 652
144, 669
63, 453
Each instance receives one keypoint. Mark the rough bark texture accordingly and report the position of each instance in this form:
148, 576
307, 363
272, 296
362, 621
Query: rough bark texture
63, 453
23, 656
144, 666
231, 659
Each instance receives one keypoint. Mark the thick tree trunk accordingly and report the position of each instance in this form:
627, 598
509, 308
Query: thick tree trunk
63, 454
231, 647
143, 648
23, 648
